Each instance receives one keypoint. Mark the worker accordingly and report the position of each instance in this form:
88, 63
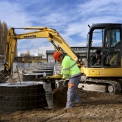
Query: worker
99, 54
70, 71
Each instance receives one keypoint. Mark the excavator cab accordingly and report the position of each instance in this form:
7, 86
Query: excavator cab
104, 64
104, 46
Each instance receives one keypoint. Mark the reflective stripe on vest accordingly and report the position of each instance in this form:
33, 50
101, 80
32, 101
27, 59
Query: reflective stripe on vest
69, 67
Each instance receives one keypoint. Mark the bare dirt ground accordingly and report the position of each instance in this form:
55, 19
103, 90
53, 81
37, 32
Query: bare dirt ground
95, 107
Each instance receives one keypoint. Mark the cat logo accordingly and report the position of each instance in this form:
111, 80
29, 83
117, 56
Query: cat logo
30, 36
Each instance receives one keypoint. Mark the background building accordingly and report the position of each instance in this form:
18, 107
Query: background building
79, 51
30, 59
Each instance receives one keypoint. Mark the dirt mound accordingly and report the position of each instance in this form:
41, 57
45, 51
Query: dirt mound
95, 107
60, 97
92, 97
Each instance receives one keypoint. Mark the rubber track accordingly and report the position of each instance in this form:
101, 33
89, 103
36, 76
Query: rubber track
115, 84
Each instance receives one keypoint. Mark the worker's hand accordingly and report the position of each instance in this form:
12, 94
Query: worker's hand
62, 79
59, 74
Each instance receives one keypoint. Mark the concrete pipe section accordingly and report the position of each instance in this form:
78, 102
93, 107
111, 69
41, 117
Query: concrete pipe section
21, 96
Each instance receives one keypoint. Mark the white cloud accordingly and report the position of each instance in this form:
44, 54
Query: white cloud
70, 19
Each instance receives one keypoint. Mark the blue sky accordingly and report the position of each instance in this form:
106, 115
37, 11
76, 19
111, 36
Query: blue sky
69, 17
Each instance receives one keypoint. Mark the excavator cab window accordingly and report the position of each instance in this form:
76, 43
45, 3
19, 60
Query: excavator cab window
95, 46
104, 47
112, 48
112, 37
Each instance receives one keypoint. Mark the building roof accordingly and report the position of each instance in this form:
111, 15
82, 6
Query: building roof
81, 50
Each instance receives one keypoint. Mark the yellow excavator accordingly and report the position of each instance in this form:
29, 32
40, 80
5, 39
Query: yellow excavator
103, 74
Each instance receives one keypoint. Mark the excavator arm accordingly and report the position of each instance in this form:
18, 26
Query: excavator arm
39, 32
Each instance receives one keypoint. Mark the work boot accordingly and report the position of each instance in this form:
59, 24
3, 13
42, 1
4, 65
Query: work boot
48, 108
76, 104
66, 108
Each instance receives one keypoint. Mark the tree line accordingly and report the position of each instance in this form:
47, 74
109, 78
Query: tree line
3, 37
27, 54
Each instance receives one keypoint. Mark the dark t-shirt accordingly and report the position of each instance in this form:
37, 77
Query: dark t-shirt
98, 51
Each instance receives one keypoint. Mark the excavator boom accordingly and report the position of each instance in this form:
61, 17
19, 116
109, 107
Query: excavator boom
41, 32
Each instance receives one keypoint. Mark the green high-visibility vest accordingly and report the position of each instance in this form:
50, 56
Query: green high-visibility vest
69, 68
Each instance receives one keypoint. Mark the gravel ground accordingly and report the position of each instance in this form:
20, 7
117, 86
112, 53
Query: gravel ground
95, 107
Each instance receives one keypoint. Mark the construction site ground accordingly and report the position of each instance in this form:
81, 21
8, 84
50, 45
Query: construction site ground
95, 107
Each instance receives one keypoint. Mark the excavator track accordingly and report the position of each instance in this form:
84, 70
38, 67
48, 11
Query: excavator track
102, 85
114, 87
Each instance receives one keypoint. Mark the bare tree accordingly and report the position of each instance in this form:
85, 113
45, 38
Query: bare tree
1, 34
27, 54
3, 37
5, 31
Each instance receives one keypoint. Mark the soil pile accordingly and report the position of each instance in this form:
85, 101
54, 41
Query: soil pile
60, 96
95, 107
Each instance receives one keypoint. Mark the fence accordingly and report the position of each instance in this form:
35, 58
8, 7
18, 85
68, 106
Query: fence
31, 65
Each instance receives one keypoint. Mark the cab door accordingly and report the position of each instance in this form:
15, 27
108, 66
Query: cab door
111, 52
